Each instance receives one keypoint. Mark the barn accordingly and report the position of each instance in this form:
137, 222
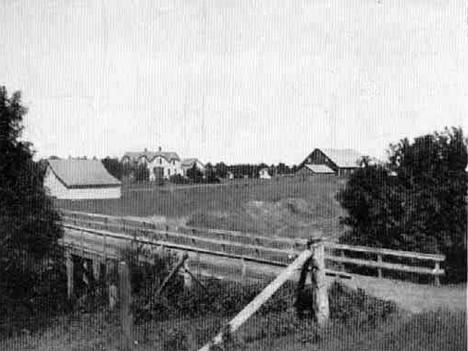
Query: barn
342, 161
78, 179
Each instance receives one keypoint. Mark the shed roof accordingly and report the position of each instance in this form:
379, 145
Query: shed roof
324, 169
82, 173
343, 158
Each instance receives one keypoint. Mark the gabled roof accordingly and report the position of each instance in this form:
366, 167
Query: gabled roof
150, 155
75, 173
189, 162
320, 169
343, 158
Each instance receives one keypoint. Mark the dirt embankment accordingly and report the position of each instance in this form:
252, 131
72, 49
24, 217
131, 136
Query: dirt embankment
289, 217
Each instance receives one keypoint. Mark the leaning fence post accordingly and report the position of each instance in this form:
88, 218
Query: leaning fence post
126, 317
320, 307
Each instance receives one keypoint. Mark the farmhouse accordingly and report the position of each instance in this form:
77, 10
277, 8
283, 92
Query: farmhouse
80, 179
342, 161
188, 163
161, 164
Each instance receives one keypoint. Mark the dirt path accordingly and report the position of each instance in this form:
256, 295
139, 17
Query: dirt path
413, 297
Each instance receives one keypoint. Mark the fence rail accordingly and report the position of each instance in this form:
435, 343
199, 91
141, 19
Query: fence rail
249, 247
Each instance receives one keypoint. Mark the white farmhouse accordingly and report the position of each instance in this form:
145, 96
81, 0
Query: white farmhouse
80, 179
160, 164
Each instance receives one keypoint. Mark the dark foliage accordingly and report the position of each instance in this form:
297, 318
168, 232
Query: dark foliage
194, 174
30, 258
416, 201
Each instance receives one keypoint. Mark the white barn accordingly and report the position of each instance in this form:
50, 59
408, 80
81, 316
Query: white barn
80, 179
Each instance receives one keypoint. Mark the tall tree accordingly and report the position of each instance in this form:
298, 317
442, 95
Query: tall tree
29, 225
113, 166
415, 201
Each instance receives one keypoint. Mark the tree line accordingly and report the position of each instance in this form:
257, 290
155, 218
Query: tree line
218, 170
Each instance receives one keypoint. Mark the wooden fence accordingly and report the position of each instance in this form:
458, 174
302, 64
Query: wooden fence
270, 251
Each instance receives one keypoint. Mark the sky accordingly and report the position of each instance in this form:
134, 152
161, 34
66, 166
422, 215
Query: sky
234, 80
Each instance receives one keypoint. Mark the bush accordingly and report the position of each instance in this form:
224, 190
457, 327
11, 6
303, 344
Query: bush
179, 179
415, 202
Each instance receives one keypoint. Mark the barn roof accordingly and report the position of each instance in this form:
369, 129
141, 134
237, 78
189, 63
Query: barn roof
82, 173
320, 169
343, 158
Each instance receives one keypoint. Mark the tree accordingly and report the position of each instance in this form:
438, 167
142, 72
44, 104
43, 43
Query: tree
221, 170
29, 225
113, 166
194, 174
415, 201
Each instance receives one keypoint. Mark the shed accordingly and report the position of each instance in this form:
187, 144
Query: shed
310, 170
80, 179
263, 174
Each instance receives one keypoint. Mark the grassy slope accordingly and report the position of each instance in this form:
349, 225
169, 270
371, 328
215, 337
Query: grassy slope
286, 206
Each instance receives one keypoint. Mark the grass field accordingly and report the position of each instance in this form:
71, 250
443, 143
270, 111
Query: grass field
284, 206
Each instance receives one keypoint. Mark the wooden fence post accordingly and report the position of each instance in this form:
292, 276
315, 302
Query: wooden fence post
436, 276
69, 264
188, 280
379, 270
320, 308
126, 316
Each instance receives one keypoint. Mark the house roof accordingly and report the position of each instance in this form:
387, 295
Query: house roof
189, 162
150, 155
343, 158
320, 169
82, 173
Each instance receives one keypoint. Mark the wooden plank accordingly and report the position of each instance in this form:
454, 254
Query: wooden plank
386, 265
260, 299
386, 252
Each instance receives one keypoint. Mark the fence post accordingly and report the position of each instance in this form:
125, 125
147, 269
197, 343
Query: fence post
379, 270
320, 308
436, 277
126, 317
188, 280
69, 264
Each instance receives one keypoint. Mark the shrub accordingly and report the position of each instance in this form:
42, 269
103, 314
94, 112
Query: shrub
416, 201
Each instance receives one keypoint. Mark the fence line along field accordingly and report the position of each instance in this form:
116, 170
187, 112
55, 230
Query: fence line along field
286, 206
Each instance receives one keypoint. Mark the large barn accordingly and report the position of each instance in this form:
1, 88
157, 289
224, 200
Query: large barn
80, 179
342, 161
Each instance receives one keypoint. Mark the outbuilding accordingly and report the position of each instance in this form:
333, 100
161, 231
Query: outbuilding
263, 174
78, 179
311, 170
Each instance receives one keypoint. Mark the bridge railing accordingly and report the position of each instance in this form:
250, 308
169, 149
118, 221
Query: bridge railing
259, 249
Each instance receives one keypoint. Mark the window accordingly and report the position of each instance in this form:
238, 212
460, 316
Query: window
168, 172
160, 161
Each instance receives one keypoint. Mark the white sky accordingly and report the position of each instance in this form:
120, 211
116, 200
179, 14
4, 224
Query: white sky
234, 80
